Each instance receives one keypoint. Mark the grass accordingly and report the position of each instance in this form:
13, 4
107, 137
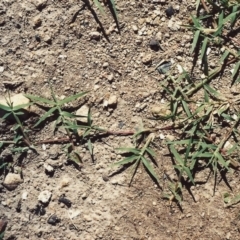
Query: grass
206, 120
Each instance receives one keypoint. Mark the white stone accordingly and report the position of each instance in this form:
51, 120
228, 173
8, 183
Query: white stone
1, 69
112, 101
83, 113
95, 35
44, 196
24, 195
12, 180
135, 28
48, 168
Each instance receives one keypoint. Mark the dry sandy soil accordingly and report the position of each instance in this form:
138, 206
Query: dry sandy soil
64, 42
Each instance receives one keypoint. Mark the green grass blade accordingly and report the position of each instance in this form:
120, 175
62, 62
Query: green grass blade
151, 152
90, 147
221, 159
71, 98
114, 8
224, 56
204, 48
126, 160
230, 16
99, 6
149, 168
67, 114
129, 150
39, 99
236, 69
185, 106
6, 115
188, 172
46, 115
195, 40
176, 155
195, 22
197, 4
5, 108
21, 106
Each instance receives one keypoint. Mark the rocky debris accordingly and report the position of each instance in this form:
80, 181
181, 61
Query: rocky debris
48, 168
47, 39
154, 44
83, 113
95, 36
37, 21
64, 200
18, 99
53, 220
6, 155
169, 11
41, 4
12, 180
147, 59
112, 101
44, 196
161, 111
135, 28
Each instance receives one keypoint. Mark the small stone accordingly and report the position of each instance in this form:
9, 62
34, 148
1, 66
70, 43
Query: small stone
154, 203
110, 78
53, 220
147, 59
95, 36
154, 44
1, 69
65, 181
73, 213
24, 195
37, 21
161, 111
83, 113
44, 196
169, 11
105, 65
12, 180
41, 4
112, 101
84, 196
87, 218
48, 168
158, 36
170, 137
135, 28
47, 39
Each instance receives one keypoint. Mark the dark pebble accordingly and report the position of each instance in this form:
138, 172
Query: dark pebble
154, 44
65, 201
53, 220
169, 11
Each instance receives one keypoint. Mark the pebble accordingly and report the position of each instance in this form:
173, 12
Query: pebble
158, 36
87, 218
160, 111
112, 101
169, 11
147, 59
48, 168
1, 69
44, 196
41, 4
53, 220
83, 112
105, 65
47, 39
12, 180
37, 21
95, 36
24, 195
154, 44
135, 28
